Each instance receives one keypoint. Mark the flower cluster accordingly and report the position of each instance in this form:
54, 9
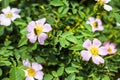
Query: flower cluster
33, 71
104, 4
8, 15
37, 30
96, 49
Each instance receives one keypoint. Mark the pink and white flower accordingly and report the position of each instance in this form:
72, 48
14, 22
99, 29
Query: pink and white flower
104, 3
96, 24
37, 30
9, 14
94, 50
34, 71
111, 48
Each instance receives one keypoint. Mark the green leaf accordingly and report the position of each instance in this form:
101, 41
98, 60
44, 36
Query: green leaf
60, 71
63, 42
48, 77
54, 73
56, 3
2, 30
76, 47
71, 70
105, 77
5, 3
22, 41
16, 74
72, 39
71, 77
66, 34
0, 71
65, 10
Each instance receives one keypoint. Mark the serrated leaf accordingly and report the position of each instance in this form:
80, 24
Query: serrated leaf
22, 41
72, 39
66, 34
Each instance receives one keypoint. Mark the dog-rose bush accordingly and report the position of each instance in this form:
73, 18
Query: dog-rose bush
59, 40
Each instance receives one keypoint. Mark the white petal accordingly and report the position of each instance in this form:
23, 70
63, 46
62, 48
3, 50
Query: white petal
4, 21
41, 38
6, 10
106, 1
36, 66
15, 16
29, 78
107, 7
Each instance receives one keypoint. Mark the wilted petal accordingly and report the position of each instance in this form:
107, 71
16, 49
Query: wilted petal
6, 10
32, 37
107, 7
41, 21
39, 75
96, 42
97, 59
31, 26
87, 44
47, 28
41, 38
86, 55
26, 63
29, 78
36, 66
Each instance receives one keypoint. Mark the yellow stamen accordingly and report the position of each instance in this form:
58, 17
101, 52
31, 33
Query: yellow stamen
94, 51
31, 72
109, 49
8, 15
38, 29
95, 24
100, 2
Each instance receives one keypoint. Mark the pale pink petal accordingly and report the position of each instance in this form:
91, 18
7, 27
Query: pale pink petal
41, 38
98, 21
91, 19
86, 55
39, 75
97, 59
113, 51
100, 28
103, 51
6, 10
112, 45
36, 66
93, 29
96, 42
107, 7
32, 37
117, 24
87, 44
26, 63
29, 78
41, 21
15, 10
106, 1
15, 16
31, 26
106, 43
4, 21
47, 28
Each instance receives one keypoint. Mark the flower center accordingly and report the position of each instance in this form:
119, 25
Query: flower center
94, 51
100, 2
38, 30
31, 72
109, 49
95, 24
8, 15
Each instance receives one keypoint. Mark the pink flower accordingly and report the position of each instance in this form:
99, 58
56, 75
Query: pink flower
95, 23
104, 3
111, 49
9, 14
37, 30
33, 71
93, 50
